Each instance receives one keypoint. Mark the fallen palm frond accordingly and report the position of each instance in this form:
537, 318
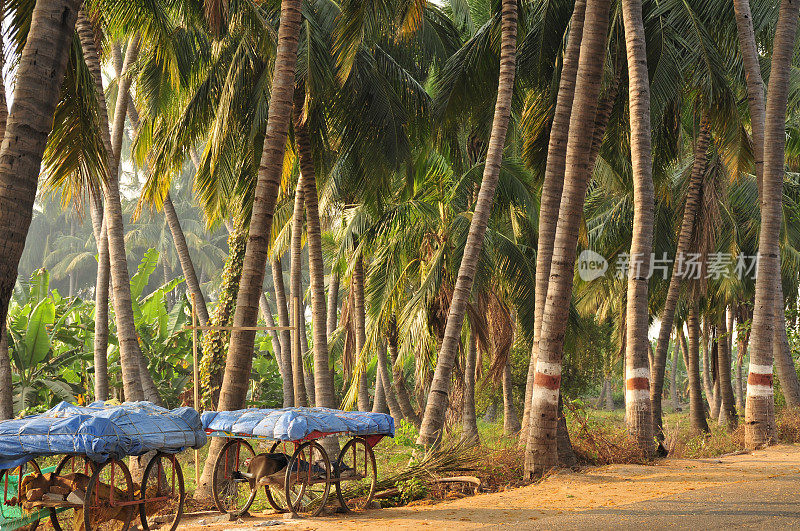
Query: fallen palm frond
431, 465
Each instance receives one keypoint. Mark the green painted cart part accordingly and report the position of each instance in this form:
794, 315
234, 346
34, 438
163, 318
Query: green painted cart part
12, 517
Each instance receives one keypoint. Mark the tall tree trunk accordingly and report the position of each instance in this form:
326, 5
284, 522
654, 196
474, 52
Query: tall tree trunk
744, 339
468, 417
101, 294
379, 404
269, 320
708, 383
637, 385
37, 87
214, 343
296, 295
541, 452
357, 285
308, 375
727, 410
690, 208
760, 406
398, 380
566, 454
714, 361
286, 335
240, 355
185, 259
130, 352
697, 411
3, 104
510, 420
551, 191
388, 390
6, 384
433, 419
333, 304
754, 82
782, 352
673, 383
323, 377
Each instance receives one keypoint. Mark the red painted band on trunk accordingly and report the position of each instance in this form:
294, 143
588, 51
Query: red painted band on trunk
547, 381
759, 379
637, 384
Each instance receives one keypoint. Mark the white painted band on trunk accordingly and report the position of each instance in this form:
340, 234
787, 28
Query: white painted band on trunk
638, 373
759, 390
760, 369
550, 369
544, 394
635, 395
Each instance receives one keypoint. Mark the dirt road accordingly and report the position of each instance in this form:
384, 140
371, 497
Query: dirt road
760, 490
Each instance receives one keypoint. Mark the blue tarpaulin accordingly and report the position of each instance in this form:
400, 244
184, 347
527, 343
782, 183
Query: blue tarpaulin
296, 423
100, 432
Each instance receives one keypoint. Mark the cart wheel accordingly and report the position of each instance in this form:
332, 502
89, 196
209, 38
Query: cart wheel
162, 493
233, 493
308, 480
63, 518
275, 495
31, 467
109, 488
356, 466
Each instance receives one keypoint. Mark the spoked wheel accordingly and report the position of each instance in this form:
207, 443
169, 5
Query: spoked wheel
78, 470
233, 491
308, 480
357, 475
109, 504
31, 467
162, 493
276, 496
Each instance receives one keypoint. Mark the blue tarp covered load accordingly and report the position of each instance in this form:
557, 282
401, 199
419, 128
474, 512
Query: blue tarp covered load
100, 432
297, 423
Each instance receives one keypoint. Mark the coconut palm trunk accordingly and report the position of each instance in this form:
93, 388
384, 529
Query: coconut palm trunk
357, 285
760, 406
637, 383
185, 259
269, 320
388, 390
727, 410
37, 87
673, 381
697, 412
130, 353
296, 295
690, 209
398, 380
541, 452
379, 404
433, 419
784, 362
286, 335
333, 304
469, 419
552, 186
323, 378
6, 383
511, 424
240, 355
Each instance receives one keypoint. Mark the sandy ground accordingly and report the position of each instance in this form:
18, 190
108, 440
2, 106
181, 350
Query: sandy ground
608, 488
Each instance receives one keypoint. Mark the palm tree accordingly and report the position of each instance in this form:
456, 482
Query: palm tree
296, 293
552, 187
697, 412
323, 378
760, 407
541, 452
637, 373
433, 418
39, 76
239, 361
